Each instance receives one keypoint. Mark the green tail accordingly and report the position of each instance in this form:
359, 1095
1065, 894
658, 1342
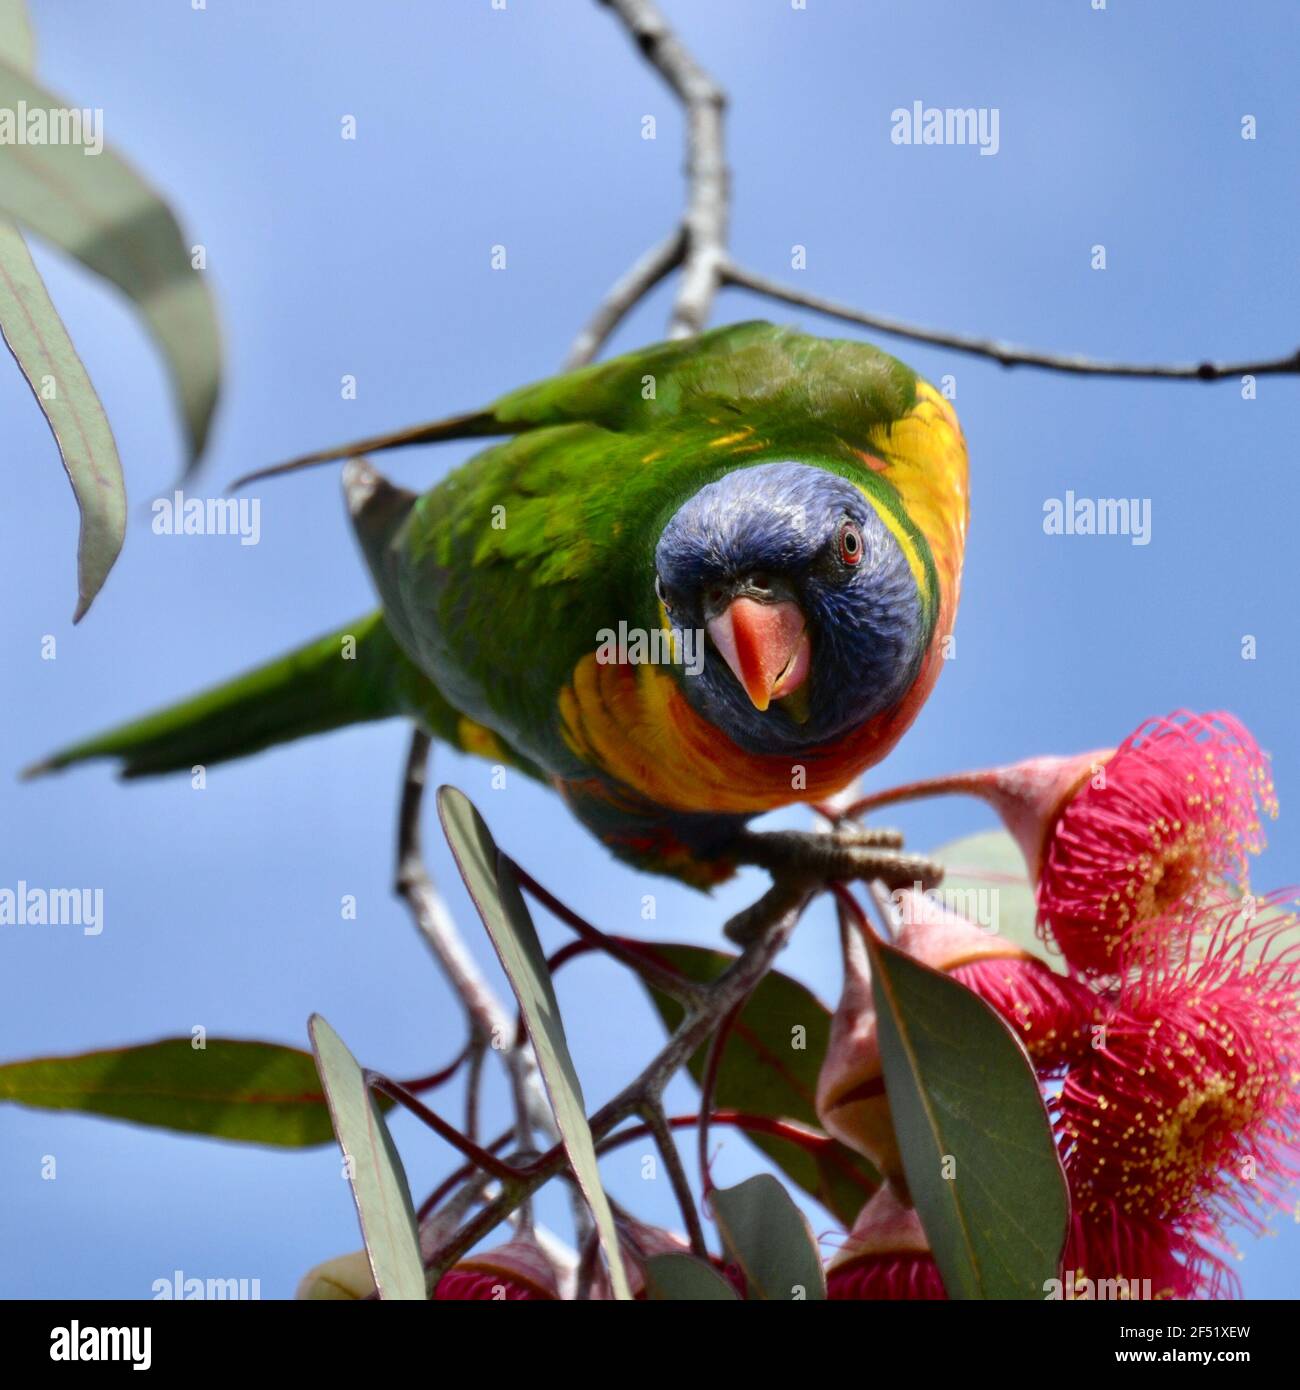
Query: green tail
352, 676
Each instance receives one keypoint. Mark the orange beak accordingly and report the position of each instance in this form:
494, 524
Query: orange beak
766, 646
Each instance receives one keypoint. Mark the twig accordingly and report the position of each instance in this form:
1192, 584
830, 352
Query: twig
656, 1121
624, 295
708, 1088
480, 1157
437, 1078
1008, 354
437, 1226
461, 1174
663, 977
474, 1086
708, 183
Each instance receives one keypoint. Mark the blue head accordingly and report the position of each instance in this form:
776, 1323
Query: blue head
813, 618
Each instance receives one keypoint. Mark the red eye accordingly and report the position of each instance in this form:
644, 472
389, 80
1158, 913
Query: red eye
850, 544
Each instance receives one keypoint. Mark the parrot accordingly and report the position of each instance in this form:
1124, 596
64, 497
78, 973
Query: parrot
686, 586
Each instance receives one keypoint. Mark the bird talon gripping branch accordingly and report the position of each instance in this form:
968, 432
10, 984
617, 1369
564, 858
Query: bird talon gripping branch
845, 853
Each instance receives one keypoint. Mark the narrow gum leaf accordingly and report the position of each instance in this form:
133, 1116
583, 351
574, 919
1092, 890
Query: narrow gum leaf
35, 335
499, 902
375, 1170
684, 1279
96, 208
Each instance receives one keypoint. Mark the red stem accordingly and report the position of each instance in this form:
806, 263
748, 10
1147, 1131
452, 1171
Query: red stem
629, 953
436, 1078
955, 783
480, 1157
707, 1087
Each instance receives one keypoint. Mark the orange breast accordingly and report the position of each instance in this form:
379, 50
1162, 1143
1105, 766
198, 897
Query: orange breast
634, 724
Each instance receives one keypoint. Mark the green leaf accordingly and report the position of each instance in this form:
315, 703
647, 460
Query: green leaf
99, 210
501, 905
40, 344
17, 42
987, 871
375, 1170
976, 1142
770, 1239
766, 1072
683, 1278
255, 1092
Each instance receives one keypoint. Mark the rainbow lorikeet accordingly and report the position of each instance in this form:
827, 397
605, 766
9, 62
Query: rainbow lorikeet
698, 582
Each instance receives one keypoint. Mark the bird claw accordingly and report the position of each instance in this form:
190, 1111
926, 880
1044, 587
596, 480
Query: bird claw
847, 852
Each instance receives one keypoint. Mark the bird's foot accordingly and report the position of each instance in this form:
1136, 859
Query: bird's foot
848, 852
799, 860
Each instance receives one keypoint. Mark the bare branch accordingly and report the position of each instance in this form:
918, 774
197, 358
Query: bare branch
624, 295
708, 1089
487, 1018
707, 178
1005, 353
656, 1121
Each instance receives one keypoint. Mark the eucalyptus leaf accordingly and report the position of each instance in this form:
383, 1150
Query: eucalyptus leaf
683, 1278
230, 1088
976, 1142
96, 208
17, 41
374, 1167
499, 902
35, 335
769, 1238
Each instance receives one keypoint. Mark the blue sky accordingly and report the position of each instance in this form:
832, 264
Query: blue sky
522, 127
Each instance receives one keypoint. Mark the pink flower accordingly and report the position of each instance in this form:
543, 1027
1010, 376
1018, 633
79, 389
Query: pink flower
1190, 1107
1110, 1255
1121, 842
1175, 812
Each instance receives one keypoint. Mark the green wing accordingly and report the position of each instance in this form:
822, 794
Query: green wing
354, 675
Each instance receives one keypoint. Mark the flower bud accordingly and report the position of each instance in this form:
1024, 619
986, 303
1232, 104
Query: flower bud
344, 1277
519, 1271
886, 1255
